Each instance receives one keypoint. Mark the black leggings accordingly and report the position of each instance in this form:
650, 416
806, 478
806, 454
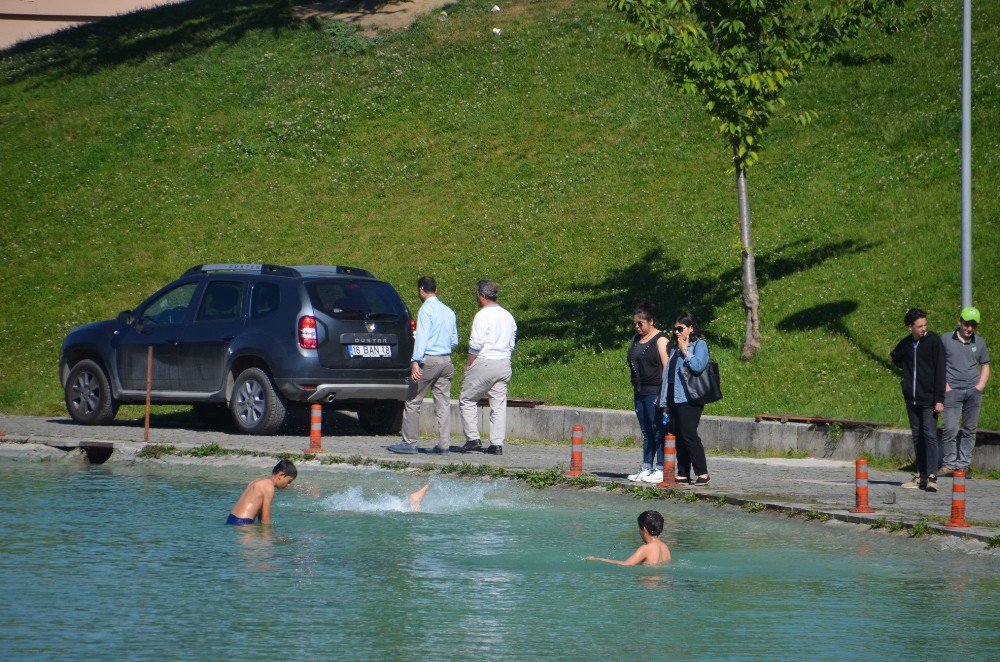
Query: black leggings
684, 419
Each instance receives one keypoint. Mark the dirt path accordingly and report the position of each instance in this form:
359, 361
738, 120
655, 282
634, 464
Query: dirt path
371, 15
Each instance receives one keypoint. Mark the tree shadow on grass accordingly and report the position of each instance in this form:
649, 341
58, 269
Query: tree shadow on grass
171, 32
831, 317
597, 316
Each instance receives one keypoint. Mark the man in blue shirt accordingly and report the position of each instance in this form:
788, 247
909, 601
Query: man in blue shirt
430, 367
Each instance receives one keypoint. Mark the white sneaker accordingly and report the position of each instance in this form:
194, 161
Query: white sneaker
654, 477
639, 477
911, 484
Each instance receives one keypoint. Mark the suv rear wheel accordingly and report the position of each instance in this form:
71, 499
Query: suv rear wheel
88, 395
382, 417
256, 406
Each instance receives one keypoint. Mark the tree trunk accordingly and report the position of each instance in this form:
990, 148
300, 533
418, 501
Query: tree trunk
751, 298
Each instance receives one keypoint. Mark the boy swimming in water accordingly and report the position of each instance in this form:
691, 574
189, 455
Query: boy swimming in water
417, 498
652, 551
255, 502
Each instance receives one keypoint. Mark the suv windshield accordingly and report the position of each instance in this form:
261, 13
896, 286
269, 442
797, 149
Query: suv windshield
355, 299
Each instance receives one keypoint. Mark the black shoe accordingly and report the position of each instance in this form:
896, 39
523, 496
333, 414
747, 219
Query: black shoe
438, 451
471, 445
699, 481
494, 450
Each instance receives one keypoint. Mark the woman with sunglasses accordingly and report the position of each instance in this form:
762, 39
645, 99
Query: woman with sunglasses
691, 351
646, 357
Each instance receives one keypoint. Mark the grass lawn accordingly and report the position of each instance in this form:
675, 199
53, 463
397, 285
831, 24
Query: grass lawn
548, 159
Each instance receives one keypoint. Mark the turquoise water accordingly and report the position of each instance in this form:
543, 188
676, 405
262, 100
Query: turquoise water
135, 562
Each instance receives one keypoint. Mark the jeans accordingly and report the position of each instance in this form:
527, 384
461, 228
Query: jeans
957, 444
652, 432
923, 426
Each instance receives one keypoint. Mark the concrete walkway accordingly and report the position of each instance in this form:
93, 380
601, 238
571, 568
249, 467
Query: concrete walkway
792, 485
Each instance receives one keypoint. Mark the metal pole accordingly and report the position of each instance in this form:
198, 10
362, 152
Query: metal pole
967, 153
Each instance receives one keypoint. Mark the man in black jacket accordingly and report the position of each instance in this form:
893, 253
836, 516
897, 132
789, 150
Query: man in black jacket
920, 356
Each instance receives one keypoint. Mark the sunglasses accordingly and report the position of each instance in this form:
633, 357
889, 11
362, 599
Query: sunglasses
679, 328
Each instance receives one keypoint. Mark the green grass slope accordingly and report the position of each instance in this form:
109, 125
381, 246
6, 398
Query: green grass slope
548, 159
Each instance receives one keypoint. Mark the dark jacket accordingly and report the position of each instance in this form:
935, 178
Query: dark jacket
923, 369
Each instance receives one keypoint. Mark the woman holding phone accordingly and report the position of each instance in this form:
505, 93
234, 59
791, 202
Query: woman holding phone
690, 351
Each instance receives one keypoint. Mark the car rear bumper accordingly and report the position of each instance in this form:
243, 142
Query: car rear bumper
310, 391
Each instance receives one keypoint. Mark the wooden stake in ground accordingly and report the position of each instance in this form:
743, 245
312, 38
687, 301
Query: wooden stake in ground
149, 389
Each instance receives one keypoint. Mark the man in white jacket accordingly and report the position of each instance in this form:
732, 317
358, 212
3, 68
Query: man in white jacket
487, 369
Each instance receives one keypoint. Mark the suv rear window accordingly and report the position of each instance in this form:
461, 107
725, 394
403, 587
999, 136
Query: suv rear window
355, 299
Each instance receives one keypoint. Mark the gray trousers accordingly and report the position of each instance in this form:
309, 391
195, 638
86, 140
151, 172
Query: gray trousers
485, 377
957, 444
436, 374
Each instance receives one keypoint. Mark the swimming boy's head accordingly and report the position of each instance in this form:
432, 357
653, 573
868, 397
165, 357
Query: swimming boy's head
284, 473
652, 521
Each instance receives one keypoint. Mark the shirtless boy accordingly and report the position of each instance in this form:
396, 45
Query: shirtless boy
255, 502
652, 551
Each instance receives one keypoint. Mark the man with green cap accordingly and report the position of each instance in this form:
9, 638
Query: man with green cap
967, 369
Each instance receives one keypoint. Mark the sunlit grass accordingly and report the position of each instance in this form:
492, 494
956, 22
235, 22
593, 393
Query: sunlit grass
548, 159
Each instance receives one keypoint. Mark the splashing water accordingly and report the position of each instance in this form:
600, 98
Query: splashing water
443, 497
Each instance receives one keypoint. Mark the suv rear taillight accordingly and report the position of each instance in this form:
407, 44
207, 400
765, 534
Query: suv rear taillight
307, 332
413, 328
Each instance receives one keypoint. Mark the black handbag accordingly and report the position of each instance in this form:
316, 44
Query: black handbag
704, 387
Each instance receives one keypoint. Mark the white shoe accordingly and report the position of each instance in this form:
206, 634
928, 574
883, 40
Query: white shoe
639, 477
654, 477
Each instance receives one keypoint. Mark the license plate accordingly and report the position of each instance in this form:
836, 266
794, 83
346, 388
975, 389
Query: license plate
370, 351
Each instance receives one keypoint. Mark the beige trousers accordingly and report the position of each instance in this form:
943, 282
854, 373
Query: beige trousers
436, 374
485, 377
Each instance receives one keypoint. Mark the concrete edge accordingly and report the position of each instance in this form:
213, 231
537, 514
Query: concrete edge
723, 433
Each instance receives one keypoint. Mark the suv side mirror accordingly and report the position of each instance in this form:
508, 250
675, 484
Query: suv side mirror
126, 318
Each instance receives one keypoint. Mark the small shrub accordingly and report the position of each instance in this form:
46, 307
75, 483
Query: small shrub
835, 433
646, 493
540, 479
720, 502
879, 523
582, 482
208, 450
816, 515
356, 460
921, 528
690, 497
393, 465
895, 526
156, 451
993, 542
753, 506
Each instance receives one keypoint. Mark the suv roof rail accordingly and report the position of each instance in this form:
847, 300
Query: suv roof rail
321, 270
269, 269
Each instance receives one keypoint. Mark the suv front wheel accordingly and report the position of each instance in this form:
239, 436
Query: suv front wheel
256, 406
382, 417
88, 395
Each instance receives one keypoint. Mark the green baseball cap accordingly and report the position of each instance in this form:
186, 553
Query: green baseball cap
970, 314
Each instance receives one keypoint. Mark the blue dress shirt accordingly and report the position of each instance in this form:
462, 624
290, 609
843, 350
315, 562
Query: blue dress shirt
437, 331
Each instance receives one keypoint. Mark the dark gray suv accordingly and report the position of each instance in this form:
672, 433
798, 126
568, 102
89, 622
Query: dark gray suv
253, 339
